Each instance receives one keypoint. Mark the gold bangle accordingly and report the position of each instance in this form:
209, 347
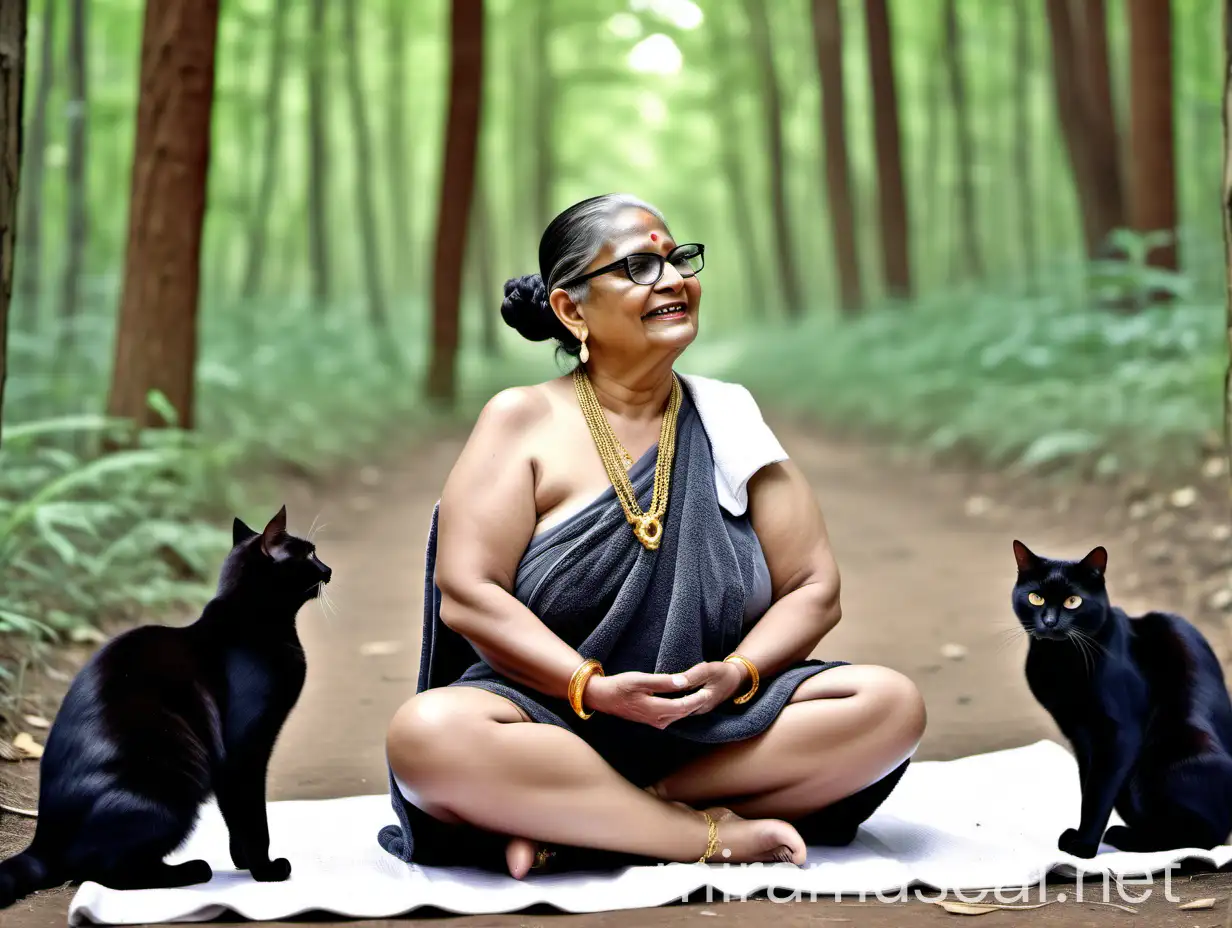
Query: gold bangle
712, 838
754, 677
578, 683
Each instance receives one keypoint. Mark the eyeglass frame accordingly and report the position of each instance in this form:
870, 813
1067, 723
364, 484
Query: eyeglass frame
624, 263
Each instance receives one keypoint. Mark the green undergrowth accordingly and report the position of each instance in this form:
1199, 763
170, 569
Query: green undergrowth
88, 538
1028, 383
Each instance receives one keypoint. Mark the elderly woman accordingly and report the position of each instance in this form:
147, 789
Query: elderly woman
625, 579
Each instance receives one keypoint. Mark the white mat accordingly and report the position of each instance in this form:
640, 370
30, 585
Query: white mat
987, 821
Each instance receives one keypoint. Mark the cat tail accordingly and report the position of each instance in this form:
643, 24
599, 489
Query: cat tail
22, 875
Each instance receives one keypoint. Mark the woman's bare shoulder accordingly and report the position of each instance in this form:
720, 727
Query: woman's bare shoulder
516, 412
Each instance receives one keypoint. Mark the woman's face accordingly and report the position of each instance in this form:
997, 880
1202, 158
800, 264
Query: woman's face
624, 318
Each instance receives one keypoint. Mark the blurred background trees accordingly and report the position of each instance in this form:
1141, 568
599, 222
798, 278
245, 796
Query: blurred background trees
988, 227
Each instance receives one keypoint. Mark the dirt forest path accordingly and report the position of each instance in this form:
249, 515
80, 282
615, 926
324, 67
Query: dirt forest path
921, 573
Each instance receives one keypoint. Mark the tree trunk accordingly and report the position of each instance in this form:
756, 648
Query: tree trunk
1098, 116
544, 112
1153, 170
773, 108
397, 149
1227, 228
972, 258
318, 158
77, 194
12, 84
30, 272
730, 133
264, 205
485, 266
457, 189
891, 195
1024, 187
1084, 108
156, 340
828, 43
370, 246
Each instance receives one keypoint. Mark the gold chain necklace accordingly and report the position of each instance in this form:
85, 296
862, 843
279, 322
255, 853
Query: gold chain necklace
647, 526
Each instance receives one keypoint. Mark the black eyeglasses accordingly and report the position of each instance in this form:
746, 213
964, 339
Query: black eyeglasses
646, 268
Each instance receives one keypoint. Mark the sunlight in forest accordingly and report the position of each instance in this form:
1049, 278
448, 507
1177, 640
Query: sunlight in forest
683, 14
656, 54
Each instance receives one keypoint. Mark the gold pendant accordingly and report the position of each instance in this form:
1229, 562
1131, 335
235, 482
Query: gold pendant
649, 531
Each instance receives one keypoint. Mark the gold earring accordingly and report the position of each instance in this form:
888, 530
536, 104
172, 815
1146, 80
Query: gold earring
584, 354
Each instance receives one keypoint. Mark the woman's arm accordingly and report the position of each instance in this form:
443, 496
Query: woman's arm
804, 576
787, 519
487, 517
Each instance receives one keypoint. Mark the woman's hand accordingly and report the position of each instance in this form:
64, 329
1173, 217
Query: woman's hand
719, 682
636, 696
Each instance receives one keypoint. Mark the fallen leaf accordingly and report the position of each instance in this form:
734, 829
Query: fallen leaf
27, 745
708, 912
37, 721
957, 907
1221, 599
86, 634
955, 652
1221, 532
978, 505
1197, 904
1184, 497
379, 648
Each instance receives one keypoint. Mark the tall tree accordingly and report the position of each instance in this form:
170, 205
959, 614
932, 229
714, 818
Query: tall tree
12, 85
971, 254
891, 197
828, 44
1021, 135
1227, 226
763, 51
722, 105
398, 152
263, 206
485, 265
457, 191
78, 195
1098, 115
1153, 170
30, 272
156, 339
370, 246
1083, 90
544, 110
318, 157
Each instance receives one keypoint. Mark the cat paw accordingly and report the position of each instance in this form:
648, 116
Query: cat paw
238, 857
194, 872
1124, 838
274, 872
1071, 842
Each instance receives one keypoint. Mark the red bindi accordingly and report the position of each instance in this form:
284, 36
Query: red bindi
654, 237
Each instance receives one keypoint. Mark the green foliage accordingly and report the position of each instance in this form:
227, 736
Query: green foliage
1005, 379
282, 387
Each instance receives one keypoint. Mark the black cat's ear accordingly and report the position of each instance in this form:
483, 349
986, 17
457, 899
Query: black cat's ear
240, 531
277, 526
1026, 559
1096, 561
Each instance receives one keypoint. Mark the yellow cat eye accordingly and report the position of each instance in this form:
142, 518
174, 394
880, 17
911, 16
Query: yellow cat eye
1073, 602
1035, 599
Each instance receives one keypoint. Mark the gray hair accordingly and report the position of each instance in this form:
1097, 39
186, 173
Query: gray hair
573, 238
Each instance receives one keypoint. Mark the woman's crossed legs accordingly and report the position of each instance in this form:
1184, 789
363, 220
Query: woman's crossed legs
461, 752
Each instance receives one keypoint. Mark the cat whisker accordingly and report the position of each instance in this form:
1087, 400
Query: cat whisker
313, 525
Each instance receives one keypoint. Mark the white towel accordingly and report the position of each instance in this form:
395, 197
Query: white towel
741, 441
985, 822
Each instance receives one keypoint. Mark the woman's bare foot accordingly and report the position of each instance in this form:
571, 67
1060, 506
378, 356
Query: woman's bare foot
767, 840
520, 854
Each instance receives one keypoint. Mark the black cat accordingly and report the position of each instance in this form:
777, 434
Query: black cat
1143, 702
162, 717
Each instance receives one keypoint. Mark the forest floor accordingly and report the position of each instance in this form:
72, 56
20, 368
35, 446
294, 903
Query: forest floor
926, 563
